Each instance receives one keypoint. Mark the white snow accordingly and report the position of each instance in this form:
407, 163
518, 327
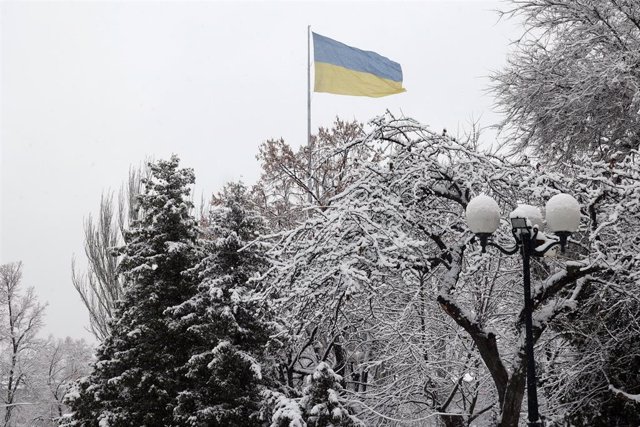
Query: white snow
333, 396
563, 213
632, 397
483, 214
338, 414
175, 246
254, 365
288, 410
551, 253
531, 213
216, 292
358, 357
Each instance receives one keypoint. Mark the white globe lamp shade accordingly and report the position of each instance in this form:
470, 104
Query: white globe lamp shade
563, 213
483, 215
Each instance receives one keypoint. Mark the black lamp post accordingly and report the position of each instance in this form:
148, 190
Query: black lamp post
563, 218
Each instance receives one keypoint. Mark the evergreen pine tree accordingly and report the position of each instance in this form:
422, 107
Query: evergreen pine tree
134, 381
286, 411
322, 405
224, 373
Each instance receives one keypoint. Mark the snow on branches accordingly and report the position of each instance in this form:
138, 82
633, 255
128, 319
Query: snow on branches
320, 406
571, 86
381, 279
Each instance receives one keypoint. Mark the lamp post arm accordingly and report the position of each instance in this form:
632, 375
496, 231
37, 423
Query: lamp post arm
485, 241
545, 247
506, 251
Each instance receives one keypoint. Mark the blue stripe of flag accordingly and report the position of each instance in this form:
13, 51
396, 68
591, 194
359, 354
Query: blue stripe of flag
336, 53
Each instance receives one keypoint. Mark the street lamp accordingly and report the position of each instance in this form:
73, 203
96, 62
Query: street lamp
563, 218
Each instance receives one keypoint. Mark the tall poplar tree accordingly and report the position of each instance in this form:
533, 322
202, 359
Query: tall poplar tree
134, 380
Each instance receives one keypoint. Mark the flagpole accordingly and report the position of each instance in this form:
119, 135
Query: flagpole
309, 143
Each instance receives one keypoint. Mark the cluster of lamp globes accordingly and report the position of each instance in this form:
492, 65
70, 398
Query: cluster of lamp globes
562, 218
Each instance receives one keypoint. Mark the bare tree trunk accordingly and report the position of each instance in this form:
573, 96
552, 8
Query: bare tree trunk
341, 361
513, 397
454, 420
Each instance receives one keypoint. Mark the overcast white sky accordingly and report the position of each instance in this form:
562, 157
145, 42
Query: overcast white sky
87, 89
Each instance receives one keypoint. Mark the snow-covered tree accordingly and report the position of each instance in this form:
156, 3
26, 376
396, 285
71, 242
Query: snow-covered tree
592, 365
35, 373
135, 379
572, 85
321, 403
224, 374
571, 94
21, 317
390, 277
286, 411
56, 365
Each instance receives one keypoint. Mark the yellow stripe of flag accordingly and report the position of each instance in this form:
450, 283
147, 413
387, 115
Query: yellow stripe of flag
331, 78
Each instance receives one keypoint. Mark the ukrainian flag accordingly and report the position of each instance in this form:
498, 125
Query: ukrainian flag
345, 70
